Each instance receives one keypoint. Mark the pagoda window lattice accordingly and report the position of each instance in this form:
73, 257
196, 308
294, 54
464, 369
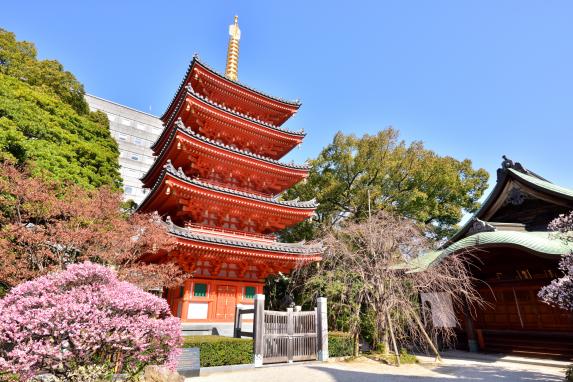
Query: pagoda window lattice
250, 292
230, 222
250, 226
199, 290
209, 219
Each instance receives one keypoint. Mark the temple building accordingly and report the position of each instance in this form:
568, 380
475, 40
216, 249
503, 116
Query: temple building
217, 181
515, 256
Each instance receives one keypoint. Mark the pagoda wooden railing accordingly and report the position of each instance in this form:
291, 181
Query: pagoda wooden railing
232, 186
233, 232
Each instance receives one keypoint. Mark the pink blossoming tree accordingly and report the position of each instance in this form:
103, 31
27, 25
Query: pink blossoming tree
560, 291
84, 316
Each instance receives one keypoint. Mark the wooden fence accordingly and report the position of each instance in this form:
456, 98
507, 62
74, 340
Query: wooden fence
285, 336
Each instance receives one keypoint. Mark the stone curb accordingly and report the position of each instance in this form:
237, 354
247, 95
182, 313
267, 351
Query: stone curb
205, 371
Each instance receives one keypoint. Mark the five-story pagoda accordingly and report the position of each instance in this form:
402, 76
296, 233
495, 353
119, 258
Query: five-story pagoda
216, 181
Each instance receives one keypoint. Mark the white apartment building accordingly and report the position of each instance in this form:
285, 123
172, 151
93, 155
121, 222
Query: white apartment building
135, 132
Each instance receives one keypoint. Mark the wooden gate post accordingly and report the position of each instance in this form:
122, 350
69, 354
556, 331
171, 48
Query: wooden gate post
290, 332
237, 323
259, 329
321, 329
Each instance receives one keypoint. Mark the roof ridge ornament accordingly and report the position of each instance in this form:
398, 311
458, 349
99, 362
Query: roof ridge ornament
508, 164
479, 226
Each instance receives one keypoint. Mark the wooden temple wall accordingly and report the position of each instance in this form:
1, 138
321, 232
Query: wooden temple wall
211, 300
514, 319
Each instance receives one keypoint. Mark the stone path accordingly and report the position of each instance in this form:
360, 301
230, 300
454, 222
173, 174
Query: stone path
364, 370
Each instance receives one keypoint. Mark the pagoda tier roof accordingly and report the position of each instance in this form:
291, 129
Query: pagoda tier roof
299, 133
254, 126
287, 106
220, 150
186, 199
179, 174
254, 248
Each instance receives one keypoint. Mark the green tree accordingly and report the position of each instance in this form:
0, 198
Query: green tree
45, 121
381, 169
18, 59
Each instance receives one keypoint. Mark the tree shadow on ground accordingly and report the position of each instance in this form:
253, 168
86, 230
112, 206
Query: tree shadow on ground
471, 372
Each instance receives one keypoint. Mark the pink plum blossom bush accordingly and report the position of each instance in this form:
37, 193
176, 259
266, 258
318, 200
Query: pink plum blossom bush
84, 316
560, 292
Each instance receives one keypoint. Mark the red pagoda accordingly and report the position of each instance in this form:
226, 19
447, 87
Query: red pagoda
217, 181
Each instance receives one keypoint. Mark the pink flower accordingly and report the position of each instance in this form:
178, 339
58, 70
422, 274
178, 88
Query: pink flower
84, 316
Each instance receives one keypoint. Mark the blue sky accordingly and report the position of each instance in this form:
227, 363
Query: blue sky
471, 79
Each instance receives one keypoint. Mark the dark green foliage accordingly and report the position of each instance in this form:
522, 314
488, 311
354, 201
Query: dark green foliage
405, 178
45, 121
220, 351
340, 344
37, 127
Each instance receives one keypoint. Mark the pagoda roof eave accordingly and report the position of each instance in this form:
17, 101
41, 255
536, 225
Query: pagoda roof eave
170, 121
181, 128
197, 61
295, 103
178, 174
256, 121
299, 250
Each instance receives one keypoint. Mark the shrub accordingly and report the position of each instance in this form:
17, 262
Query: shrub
219, 351
65, 321
569, 374
340, 344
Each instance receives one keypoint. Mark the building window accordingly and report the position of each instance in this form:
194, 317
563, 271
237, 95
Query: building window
140, 126
200, 290
122, 137
250, 292
125, 122
181, 292
111, 117
134, 157
128, 190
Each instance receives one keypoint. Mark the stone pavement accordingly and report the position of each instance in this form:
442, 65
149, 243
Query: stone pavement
365, 370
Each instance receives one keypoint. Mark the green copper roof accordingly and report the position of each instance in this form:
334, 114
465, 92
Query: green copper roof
539, 242
543, 184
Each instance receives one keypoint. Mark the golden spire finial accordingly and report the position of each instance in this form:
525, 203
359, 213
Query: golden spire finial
233, 51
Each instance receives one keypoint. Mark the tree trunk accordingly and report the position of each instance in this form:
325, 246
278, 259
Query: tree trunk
426, 336
389, 322
355, 338
385, 342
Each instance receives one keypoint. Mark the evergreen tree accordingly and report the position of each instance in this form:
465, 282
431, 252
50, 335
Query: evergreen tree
46, 123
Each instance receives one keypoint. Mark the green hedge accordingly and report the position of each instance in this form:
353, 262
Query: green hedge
219, 351
340, 344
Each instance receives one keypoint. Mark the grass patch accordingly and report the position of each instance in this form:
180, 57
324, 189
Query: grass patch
390, 359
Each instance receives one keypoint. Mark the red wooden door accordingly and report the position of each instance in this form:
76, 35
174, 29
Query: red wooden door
226, 301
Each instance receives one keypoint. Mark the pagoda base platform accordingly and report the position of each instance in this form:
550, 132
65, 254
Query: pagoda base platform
224, 329
206, 301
